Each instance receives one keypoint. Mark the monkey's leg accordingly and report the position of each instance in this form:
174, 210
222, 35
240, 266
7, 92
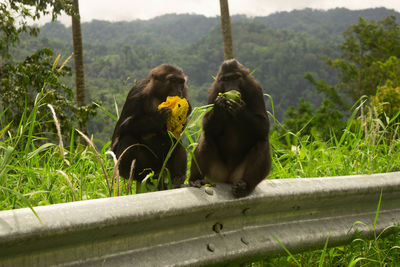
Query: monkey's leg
177, 166
208, 165
145, 158
252, 170
196, 169
128, 155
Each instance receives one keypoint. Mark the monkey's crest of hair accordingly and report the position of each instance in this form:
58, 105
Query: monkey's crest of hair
165, 68
232, 64
179, 110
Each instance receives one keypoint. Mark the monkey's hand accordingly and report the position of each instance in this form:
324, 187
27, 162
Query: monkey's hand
165, 113
199, 183
234, 108
229, 106
220, 103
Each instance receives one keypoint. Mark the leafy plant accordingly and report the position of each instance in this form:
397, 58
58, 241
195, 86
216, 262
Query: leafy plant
20, 83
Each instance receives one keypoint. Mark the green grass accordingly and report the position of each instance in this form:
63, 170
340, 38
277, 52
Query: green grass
36, 171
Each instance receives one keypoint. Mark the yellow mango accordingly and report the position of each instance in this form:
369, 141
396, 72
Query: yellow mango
179, 109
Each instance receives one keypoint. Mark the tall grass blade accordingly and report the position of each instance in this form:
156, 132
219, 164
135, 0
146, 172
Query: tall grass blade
116, 107
32, 120
5, 130
377, 210
106, 111
272, 106
321, 260
287, 251
69, 183
116, 165
6, 160
130, 180
40, 149
65, 62
26, 201
60, 141
98, 158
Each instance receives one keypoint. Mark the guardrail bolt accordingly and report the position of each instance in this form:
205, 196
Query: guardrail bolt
209, 190
246, 211
296, 207
217, 227
208, 216
244, 240
211, 247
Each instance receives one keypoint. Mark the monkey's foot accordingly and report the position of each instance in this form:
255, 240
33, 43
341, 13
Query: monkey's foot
178, 181
198, 183
240, 189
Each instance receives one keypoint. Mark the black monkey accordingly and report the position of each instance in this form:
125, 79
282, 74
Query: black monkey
234, 147
141, 124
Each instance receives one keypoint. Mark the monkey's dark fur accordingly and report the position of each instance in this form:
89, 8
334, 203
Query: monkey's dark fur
141, 124
234, 147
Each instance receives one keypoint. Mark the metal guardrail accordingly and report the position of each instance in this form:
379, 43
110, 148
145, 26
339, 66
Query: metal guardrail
207, 226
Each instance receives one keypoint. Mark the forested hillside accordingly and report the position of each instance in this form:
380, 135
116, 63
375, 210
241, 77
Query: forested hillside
280, 49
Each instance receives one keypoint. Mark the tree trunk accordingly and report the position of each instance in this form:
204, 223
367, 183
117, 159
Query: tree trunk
78, 62
226, 30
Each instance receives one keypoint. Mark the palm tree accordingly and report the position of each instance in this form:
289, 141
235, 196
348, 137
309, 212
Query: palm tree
226, 30
78, 62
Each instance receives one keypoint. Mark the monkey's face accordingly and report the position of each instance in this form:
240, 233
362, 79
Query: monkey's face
230, 81
230, 76
171, 84
176, 84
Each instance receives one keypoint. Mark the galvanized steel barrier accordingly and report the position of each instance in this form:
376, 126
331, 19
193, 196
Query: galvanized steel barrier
207, 226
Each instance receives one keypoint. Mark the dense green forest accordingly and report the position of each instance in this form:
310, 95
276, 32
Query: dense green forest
280, 49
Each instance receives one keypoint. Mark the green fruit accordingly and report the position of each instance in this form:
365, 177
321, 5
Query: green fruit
232, 95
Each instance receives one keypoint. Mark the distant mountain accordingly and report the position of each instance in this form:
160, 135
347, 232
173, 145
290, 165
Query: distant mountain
179, 30
320, 22
173, 31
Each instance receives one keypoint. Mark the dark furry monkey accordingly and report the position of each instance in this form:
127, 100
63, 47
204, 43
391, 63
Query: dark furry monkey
141, 124
234, 147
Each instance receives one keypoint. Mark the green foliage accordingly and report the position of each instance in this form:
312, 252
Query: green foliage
369, 66
365, 45
322, 123
299, 118
20, 83
11, 28
361, 68
387, 100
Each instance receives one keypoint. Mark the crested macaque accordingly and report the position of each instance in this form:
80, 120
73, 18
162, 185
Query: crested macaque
143, 127
234, 146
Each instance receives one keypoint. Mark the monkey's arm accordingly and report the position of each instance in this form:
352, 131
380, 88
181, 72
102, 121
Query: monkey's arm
257, 123
254, 115
136, 119
214, 121
142, 124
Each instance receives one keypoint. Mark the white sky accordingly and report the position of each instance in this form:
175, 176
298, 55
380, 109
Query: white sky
117, 10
